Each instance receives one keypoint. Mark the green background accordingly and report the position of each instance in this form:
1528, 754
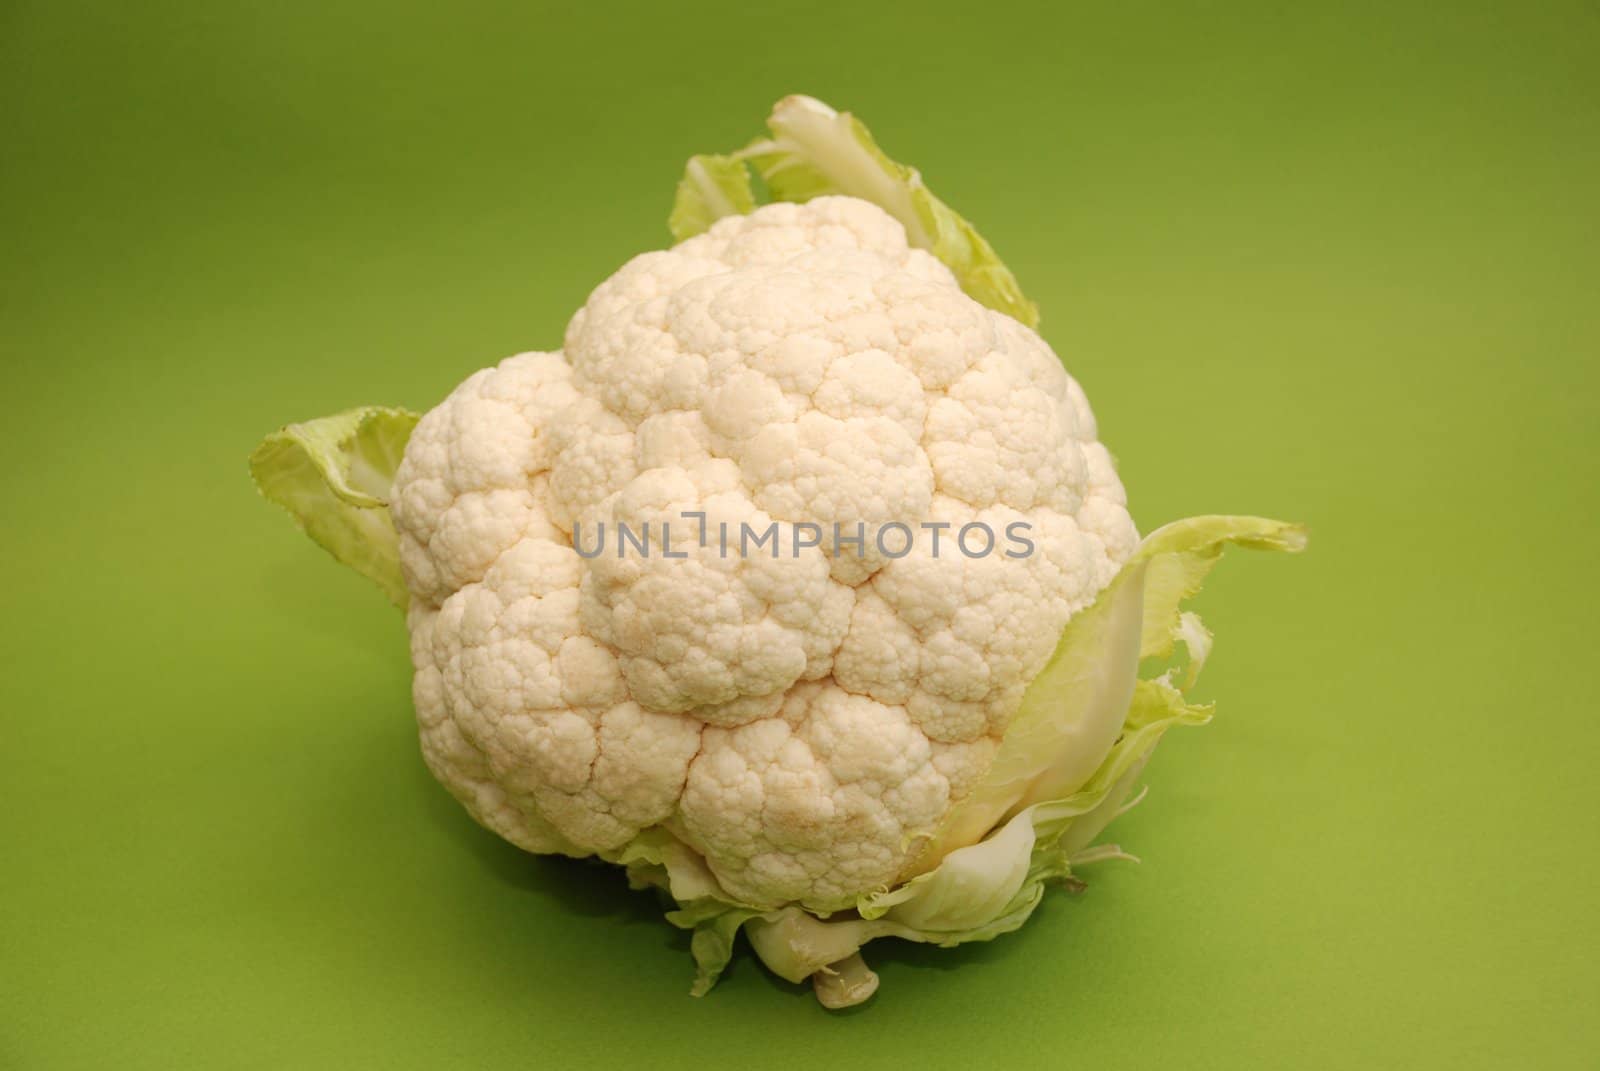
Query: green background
1327, 262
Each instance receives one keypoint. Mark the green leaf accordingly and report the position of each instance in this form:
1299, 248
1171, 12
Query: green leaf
333, 476
1178, 557
815, 151
970, 887
712, 946
1071, 714
657, 858
712, 186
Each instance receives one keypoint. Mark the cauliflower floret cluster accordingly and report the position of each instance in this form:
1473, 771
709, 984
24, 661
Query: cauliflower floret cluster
803, 722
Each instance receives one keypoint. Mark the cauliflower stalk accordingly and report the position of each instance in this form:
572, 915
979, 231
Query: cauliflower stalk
819, 747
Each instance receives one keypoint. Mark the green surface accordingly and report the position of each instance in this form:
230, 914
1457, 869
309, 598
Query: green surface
1336, 264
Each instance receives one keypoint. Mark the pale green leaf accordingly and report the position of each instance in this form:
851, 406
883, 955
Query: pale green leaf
333, 477
712, 186
1076, 708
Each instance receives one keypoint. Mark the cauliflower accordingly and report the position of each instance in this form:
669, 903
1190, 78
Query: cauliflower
805, 721
797, 582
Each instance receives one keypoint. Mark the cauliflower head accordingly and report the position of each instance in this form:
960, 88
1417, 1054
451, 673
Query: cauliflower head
797, 583
805, 722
